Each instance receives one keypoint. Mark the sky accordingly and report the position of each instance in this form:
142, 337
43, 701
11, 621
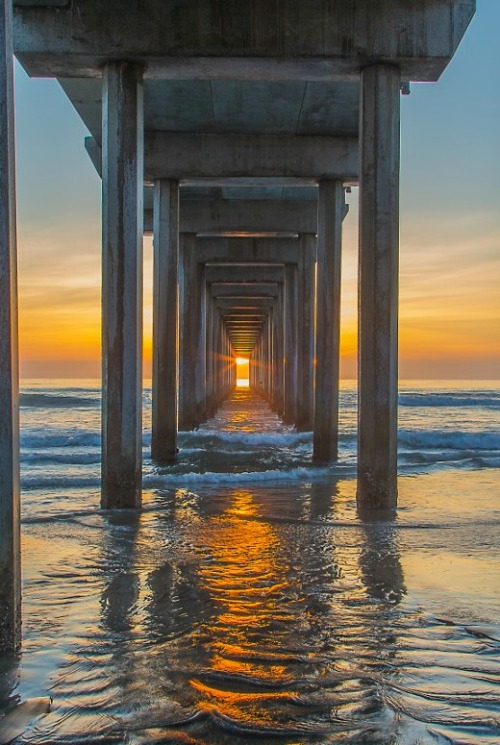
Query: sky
449, 306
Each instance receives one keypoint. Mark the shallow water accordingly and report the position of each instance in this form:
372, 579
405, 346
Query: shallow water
240, 608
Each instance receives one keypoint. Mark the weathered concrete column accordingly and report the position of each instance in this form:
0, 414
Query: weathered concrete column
265, 360
165, 321
219, 361
269, 357
210, 341
10, 558
290, 362
201, 344
305, 340
278, 352
122, 184
330, 214
378, 286
188, 332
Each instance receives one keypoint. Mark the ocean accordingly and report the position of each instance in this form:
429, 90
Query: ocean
247, 601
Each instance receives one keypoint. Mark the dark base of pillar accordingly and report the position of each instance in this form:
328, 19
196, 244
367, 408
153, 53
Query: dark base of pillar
188, 426
324, 452
376, 493
165, 459
304, 426
121, 487
10, 623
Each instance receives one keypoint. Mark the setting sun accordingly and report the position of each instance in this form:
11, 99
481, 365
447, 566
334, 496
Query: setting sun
242, 372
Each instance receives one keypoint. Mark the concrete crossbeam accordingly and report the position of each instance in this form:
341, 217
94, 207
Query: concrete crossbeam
247, 250
246, 216
245, 273
241, 290
245, 303
299, 39
217, 158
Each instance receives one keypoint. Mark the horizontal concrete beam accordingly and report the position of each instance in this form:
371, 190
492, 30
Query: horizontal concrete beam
253, 251
215, 158
245, 273
242, 316
239, 290
239, 304
248, 216
298, 39
249, 219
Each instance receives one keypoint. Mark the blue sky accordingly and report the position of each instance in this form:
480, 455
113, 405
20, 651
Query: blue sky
450, 220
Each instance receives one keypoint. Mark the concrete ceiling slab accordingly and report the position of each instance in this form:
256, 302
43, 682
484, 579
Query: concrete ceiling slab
196, 39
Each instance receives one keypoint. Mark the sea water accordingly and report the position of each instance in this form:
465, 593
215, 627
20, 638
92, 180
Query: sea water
247, 600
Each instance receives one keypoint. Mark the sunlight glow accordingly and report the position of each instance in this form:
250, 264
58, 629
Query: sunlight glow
242, 372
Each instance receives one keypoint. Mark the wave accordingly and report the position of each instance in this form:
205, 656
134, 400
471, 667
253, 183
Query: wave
442, 440
65, 481
251, 438
435, 400
65, 439
58, 401
205, 441
67, 457
291, 474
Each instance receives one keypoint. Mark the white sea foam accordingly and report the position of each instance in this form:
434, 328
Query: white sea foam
292, 474
444, 399
252, 438
65, 438
58, 400
449, 440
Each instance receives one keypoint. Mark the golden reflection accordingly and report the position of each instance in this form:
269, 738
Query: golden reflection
247, 579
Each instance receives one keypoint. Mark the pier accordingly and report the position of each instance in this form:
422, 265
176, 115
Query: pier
230, 132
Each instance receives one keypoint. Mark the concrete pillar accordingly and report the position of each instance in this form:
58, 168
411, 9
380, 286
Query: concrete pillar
218, 360
269, 357
278, 352
210, 342
378, 286
201, 344
122, 184
330, 213
305, 340
188, 333
165, 321
10, 558
289, 414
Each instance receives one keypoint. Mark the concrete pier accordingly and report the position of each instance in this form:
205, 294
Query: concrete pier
378, 286
122, 183
247, 169
10, 557
165, 322
330, 215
